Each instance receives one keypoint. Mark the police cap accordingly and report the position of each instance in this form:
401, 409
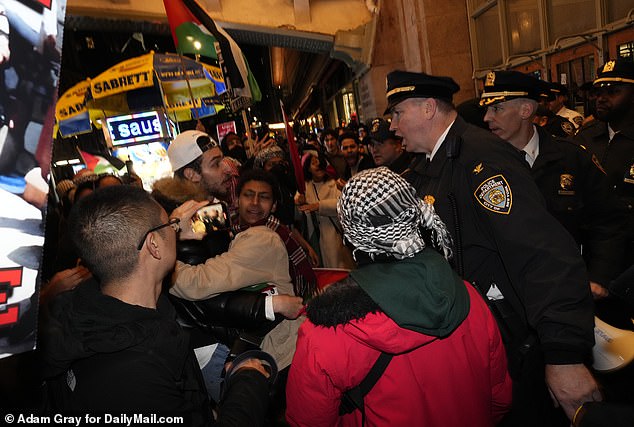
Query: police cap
558, 89
615, 72
501, 86
380, 132
402, 85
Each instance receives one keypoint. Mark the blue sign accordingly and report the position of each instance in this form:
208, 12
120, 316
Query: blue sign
135, 128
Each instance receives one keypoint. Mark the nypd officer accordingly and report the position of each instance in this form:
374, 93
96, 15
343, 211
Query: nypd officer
611, 137
507, 244
571, 180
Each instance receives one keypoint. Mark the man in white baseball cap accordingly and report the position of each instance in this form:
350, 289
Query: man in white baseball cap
197, 158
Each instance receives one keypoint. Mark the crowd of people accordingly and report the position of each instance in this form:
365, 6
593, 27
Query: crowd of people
477, 249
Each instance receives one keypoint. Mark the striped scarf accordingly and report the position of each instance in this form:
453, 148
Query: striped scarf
301, 272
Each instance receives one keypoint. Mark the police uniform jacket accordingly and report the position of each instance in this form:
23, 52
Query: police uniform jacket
617, 158
508, 238
578, 195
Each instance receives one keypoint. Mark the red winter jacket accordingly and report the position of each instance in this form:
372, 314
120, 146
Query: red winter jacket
460, 380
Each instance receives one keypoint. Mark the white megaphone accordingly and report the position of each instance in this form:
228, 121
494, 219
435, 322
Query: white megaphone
613, 348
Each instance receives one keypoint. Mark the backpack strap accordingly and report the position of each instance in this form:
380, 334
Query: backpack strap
352, 399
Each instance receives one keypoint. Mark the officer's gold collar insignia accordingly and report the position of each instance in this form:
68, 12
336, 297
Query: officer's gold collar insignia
494, 194
429, 199
478, 169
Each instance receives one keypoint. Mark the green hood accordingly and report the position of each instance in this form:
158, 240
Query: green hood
421, 293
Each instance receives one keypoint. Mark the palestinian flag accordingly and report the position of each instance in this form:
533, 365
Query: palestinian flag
195, 33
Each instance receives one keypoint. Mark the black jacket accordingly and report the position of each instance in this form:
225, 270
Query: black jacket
617, 158
103, 355
505, 236
578, 195
400, 164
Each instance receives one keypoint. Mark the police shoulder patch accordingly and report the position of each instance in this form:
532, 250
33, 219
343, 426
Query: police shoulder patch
567, 127
495, 194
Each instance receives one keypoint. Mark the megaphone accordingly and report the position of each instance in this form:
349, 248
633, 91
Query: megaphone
613, 348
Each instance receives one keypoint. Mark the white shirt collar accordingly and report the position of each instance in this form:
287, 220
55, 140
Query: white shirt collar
611, 132
440, 141
532, 148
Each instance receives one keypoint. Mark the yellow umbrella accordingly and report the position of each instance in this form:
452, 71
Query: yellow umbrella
176, 83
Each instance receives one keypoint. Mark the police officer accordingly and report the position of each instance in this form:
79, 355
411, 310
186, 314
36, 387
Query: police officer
552, 123
611, 137
387, 148
558, 105
571, 180
506, 242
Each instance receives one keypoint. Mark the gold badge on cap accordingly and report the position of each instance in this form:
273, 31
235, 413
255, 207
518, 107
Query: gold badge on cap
494, 194
429, 199
490, 80
478, 169
609, 66
566, 185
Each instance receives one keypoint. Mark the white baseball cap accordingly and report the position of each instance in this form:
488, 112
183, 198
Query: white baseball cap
188, 146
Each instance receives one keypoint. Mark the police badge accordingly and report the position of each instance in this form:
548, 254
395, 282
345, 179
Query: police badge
495, 194
566, 185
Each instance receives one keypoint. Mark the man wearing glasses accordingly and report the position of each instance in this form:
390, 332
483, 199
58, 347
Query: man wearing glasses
113, 345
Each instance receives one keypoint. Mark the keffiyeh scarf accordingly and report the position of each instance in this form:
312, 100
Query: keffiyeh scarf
380, 214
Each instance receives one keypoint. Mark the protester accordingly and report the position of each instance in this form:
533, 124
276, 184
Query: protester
319, 205
355, 160
262, 251
113, 345
333, 153
274, 160
403, 300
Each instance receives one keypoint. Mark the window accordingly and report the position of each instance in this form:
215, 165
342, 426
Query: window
522, 18
488, 38
617, 9
626, 51
568, 17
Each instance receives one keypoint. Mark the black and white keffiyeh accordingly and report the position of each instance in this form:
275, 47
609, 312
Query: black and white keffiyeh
380, 214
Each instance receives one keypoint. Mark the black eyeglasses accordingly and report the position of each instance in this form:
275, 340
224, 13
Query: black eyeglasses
171, 223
